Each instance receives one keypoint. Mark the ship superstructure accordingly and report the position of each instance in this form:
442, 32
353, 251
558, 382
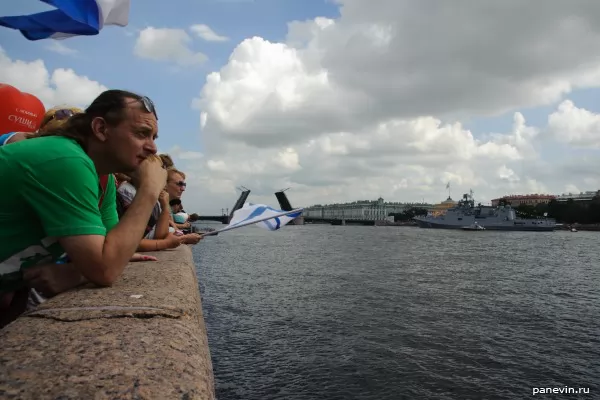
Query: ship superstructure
502, 217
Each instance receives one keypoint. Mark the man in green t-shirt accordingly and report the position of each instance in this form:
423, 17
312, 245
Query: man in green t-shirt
51, 190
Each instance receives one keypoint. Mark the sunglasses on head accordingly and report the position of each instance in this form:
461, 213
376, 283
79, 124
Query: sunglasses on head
149, 106
62, 114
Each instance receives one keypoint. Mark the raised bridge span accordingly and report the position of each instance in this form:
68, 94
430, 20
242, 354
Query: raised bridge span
224, 218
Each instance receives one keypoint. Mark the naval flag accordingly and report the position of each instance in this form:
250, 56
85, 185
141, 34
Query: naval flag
71, 18
262, 215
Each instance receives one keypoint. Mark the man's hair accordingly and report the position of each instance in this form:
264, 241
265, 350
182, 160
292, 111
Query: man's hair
172, 171
109, 105
174, 202
167, 161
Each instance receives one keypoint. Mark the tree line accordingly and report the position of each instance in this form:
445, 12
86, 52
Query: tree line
568, 212
408, 214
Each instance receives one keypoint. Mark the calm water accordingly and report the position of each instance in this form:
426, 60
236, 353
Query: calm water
323, 312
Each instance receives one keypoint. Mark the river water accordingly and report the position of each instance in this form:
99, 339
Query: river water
344, 312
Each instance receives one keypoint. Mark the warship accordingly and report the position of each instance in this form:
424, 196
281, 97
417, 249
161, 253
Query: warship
500, 218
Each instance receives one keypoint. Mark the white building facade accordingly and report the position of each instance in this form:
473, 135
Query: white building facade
582, 196
364, 210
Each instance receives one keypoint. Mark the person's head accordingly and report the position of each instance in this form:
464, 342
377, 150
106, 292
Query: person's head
176, 205
175, 183
52, 120
117, 130
167, 161
55, 118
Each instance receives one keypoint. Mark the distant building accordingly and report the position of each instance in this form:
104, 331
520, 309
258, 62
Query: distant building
373, 210
441, 208
582, 196
525, 199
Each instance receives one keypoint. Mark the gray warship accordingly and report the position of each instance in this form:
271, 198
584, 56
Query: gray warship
500, 218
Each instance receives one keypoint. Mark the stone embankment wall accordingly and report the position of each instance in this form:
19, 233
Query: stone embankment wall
143, 338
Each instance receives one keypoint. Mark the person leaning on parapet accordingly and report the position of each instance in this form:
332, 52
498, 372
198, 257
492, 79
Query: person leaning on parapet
51, 186
52, 120
175, 183
158, 235
175, 187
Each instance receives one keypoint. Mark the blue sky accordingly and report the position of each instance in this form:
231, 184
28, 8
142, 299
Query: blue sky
108, 57
320, 116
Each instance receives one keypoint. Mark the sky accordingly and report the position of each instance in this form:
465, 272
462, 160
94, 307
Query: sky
344, 100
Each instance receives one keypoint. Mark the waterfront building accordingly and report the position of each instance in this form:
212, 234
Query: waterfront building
578, 197
441, 208
525, 199
373, 210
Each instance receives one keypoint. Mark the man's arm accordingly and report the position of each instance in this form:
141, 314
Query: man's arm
108, 208
102, 259
68, 210
170, 242
161, 230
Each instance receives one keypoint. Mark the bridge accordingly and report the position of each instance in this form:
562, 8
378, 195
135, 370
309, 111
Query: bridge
225, 218
285, 205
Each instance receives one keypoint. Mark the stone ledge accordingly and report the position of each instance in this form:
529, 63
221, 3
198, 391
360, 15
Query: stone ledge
94, 343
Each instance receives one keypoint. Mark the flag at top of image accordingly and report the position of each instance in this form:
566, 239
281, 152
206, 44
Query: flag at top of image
71, 18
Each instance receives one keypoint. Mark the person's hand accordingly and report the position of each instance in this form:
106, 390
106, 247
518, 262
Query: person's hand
163, 197
172, 241
52, 279
152, 175
142, 257
191, 238
186, 225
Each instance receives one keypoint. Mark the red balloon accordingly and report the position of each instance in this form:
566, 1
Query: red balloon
19, 111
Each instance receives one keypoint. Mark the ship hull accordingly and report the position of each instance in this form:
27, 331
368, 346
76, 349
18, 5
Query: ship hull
525, 226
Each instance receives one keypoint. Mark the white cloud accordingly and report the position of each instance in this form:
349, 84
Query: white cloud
403, 160
375, 63
206, 33
576, 126
507, 174
166, 44
59, 87
367, 104
60, 48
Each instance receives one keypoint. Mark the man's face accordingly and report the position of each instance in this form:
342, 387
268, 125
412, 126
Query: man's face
175, 185
132, 140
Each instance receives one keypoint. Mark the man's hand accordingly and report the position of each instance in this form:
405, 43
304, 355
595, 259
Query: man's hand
142, 257
172, 241
52, 279
191, 238
163, 197
152, 176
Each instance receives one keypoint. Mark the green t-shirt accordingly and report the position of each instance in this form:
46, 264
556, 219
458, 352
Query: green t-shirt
108, 208
50, 189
